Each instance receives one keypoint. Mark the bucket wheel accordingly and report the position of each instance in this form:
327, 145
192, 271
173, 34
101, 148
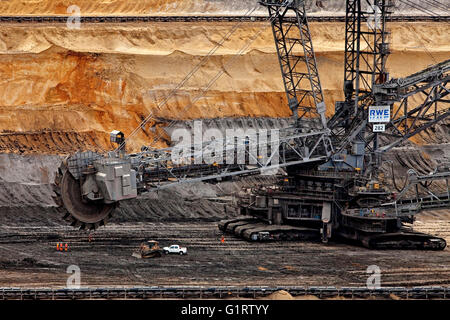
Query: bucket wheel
79, 213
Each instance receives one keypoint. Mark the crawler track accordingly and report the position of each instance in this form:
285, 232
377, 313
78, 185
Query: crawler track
221, 292
133, 19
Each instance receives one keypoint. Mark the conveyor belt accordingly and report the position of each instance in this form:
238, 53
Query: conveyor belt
130, 19
220, 293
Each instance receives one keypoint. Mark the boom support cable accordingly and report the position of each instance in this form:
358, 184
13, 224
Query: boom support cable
212, 81
428, 12
420, 8
188, 76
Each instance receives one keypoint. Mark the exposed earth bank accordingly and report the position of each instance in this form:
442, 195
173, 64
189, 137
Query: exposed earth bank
177, 7
64, 90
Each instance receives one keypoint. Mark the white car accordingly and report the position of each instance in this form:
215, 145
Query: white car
175, 249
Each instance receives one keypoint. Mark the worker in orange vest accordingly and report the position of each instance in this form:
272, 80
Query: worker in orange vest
67, 247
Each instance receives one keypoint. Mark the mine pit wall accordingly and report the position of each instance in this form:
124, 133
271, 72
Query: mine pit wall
173, 7
64, 90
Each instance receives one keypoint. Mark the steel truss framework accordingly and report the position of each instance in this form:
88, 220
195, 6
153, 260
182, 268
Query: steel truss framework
297, 59
366, 53
424, 198
431, 86
366, 47
261, 155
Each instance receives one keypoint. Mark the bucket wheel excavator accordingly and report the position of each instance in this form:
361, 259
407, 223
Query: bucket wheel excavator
330, 186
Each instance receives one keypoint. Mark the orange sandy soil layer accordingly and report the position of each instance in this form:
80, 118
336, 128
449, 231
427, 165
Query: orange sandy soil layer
181, 7
63, 89
99, 7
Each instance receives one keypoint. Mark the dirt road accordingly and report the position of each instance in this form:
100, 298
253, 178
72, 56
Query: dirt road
28, 258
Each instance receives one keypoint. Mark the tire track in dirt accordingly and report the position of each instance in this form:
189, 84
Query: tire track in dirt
107, 259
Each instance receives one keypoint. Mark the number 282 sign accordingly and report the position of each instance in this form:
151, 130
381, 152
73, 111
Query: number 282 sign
379, 114
379, 127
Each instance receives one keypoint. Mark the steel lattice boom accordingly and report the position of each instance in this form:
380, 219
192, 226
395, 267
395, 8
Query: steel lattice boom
366, 47
297, 59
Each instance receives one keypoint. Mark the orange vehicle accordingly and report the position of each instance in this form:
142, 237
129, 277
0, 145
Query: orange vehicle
150, 249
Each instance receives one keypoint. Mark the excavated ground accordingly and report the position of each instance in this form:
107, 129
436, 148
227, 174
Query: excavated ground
29, 258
